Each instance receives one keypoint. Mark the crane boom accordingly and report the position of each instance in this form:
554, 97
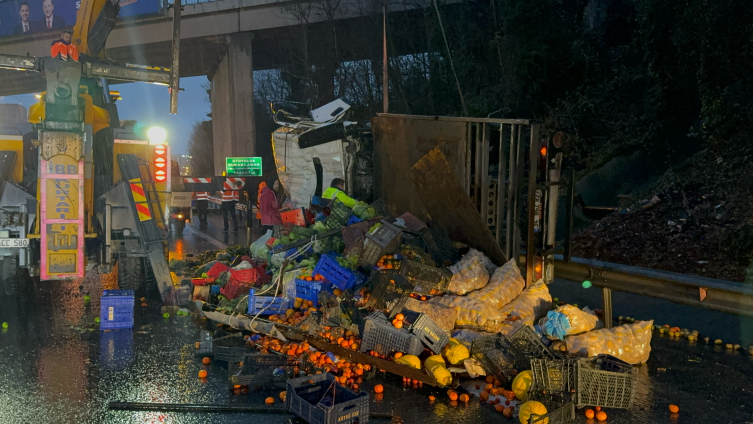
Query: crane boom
94, 22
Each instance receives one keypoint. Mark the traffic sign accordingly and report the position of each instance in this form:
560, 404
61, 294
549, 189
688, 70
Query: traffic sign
247, 167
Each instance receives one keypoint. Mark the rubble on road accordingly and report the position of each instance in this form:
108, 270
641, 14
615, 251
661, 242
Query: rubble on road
352, 295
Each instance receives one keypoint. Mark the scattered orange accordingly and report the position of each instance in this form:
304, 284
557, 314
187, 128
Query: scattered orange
484, 396
590, 413
489, 379
499, 408
432, 398
203, 374
205, 361
399, 317
464, 398
283, 395
674, 409
378, 388
397, 323
601, 416
453, 396
398, 354
269, 401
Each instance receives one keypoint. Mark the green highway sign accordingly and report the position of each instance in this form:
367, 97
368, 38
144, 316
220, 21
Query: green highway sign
243, 167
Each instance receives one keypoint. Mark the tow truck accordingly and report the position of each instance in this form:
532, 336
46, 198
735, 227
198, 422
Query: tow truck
99, 193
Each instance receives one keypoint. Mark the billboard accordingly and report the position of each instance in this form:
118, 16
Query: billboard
34, 16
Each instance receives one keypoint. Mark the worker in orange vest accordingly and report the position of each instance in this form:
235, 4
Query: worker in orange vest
202, 208
63, 48
229, 200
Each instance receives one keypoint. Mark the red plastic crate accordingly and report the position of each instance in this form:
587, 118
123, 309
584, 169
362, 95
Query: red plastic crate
250, 275
294, 217
217, 269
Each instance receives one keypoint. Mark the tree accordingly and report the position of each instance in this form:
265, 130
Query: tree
201, 149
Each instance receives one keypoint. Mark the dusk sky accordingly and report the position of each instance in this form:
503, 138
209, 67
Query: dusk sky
149, 105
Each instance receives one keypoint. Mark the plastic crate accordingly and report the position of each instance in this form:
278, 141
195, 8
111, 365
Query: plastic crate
273, 305
116, 309
341, 211
382, 337
353, 220
230, 348
430, 334
303, 231
311, 325
439, 245
217, 269
554, 376
251, 275
562, 415
319, 399
605, 381
336, 274
385, 239
496, 355
294, 217
426, 279
381, 209
280, 231
204, 345
257, 375
385, 288
528, 345
115, 349
411, 222
308, 290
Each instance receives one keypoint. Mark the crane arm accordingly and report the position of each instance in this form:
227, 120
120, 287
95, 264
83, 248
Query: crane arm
94, 22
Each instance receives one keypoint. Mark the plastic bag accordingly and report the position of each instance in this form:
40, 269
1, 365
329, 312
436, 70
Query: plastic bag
243, 265
466, 336
471, 313
504, 286
532, 303
468, 274
442, 315
259, 249
629, 342
568, 320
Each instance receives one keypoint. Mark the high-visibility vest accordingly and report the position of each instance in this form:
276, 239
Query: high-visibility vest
202, 195
229, 195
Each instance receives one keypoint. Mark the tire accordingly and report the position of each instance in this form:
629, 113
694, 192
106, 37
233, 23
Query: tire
8, 274
130, 273
150, 282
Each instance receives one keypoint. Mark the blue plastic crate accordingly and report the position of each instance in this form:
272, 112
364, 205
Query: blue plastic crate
273, 305
318, 201
116, 309
353, 220
308, 290
115, 349
336, 274
215, 289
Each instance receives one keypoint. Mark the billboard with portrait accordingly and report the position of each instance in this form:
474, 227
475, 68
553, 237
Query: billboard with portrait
19, 17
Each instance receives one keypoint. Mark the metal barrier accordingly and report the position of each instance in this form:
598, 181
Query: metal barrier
719, 295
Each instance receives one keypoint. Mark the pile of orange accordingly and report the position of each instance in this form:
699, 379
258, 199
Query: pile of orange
388, 262
407, 382
398, 321
348, 340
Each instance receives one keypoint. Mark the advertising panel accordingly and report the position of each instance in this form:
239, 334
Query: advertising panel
35, 16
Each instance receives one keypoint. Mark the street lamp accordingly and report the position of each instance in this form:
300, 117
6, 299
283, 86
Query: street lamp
157, 135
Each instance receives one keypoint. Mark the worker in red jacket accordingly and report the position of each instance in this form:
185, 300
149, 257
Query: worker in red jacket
63, 48
269, 206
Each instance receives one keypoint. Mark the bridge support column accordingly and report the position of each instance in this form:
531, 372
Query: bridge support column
232, 97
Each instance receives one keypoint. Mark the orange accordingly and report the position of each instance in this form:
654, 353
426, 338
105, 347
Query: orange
489, 379
399, 317
283, 395
499, 408
464, 398
432, 398
269, 401
601, 416
205, 361
378, 388
203, 374
484, 396
398, 354
674, 409
397, 323
453, 396
590, 413
237, 386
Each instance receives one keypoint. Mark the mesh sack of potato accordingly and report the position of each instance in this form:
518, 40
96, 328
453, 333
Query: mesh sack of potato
629, 342
568, 320
444, 316
468, 274
471, 313
504, 286
531, 304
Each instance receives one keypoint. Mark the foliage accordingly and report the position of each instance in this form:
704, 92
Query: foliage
201, 149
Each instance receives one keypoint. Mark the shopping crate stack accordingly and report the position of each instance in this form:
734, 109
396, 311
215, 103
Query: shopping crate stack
496, 354
562, 415
380, 336
231, 348
343, 278
266, 305
430, 334
259, 370
528, 345
389, 290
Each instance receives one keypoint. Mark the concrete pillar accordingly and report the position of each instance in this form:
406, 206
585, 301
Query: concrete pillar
232, 97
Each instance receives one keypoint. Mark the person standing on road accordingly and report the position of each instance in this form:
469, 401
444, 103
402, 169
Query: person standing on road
202, 208
229, 200
336, 191
268, 205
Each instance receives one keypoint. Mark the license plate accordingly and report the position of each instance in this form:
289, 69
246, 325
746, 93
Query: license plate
15, 242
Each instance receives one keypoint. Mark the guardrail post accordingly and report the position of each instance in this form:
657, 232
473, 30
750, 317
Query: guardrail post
607, 300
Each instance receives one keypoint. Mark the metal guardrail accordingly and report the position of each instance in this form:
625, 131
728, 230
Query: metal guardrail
720, 295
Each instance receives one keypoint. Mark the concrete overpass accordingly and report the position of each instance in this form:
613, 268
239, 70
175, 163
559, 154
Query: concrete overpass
227, 40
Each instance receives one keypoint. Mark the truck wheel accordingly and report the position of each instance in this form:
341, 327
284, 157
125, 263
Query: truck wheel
8, 271
130, 273
150, 282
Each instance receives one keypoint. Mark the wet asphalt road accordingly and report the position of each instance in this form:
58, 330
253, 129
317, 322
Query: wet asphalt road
57, 367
